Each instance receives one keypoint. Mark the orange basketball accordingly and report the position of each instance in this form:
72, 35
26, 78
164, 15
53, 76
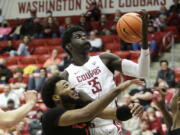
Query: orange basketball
129, 27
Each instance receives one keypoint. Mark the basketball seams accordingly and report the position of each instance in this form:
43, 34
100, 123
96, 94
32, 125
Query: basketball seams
131, 28
125, 37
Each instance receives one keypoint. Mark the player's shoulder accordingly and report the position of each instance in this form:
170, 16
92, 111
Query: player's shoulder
64, 74
108, 56
53, 111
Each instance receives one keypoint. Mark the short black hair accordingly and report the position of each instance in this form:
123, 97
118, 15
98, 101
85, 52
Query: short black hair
66, 38
48, 90
164, 61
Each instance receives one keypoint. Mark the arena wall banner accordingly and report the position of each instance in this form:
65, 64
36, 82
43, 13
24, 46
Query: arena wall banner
12, 9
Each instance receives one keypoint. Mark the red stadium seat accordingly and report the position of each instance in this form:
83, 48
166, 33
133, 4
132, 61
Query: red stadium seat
32, 59
94, 53
16, 43
3, 44
112, 47
59, 48
12, 60
94, 25
54, 41
39, 42
123, 54
41, 50
107, 39
41, 59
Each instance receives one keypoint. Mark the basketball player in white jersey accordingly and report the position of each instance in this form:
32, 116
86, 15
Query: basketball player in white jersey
95, 74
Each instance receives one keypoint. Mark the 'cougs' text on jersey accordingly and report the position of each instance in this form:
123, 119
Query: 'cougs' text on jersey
89, 74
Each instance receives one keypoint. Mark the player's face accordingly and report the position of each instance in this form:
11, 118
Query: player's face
79, 42
66, 91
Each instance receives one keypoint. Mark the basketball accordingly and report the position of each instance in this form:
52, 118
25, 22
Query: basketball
129, 27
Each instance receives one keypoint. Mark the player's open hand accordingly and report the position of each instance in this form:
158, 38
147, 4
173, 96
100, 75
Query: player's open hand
126, 84
136, 109
31, 96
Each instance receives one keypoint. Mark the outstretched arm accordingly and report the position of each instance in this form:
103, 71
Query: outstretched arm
127, 67
90, 111
122, 113
10, 118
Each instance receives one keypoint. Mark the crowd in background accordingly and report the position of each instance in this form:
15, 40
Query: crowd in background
14, 83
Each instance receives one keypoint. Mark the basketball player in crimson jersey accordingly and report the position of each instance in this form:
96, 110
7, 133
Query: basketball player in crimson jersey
94, 74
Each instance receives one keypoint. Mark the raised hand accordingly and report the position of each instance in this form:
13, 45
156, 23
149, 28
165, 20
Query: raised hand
136, 109
31, 96
126, 84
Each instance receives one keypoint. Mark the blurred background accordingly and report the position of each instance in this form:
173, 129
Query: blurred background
31, 52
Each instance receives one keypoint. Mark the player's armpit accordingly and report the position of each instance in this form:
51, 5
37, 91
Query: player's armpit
112, 61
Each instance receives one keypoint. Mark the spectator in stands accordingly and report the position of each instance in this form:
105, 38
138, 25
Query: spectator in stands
104, 28
53, 60
67, 24
93, 13
160, 22
19, 82
9, 94
163, 11
124, 46
5, 73
84, 24
8, 48
165, 74
151, 41
36, 28
35, 127
27, 25
23, 48
50, 29
10, 104
112, 23
96, 43
175, 7
37, 79
5, 30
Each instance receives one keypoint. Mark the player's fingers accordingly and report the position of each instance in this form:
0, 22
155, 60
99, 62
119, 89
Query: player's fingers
136, 109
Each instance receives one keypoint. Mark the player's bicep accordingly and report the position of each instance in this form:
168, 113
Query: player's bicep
73, 117
112, 61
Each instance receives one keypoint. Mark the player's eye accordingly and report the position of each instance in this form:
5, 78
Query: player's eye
66, 85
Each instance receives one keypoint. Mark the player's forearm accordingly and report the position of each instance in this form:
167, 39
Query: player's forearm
10, 118
144, 63
108, 113
94, 108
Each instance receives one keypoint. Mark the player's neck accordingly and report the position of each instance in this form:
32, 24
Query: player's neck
80, 59
66, 106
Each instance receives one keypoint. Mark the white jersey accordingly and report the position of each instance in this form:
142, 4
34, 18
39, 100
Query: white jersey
95, 79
